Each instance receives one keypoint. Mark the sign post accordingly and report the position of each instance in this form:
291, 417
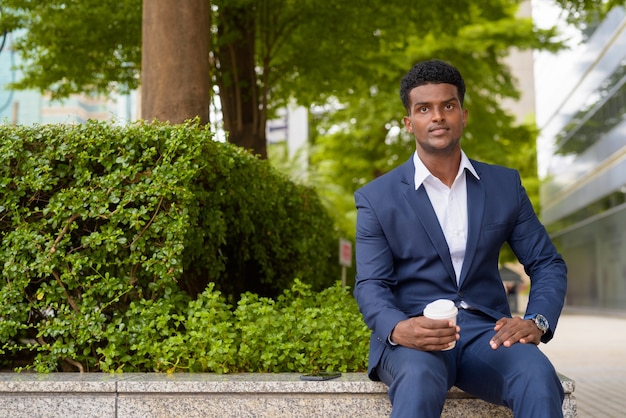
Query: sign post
345, 257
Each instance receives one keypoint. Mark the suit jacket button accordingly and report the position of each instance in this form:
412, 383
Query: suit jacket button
461, 294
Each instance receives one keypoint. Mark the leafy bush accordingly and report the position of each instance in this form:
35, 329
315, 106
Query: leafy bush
301, 330
312, 331
109, 228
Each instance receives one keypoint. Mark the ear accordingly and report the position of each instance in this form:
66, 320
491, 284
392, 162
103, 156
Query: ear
465, 113
407, 124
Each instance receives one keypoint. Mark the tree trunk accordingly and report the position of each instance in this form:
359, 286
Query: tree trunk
243, 112
175, 60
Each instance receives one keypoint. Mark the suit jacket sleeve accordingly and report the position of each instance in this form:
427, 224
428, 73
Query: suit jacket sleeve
375, 263
544, 265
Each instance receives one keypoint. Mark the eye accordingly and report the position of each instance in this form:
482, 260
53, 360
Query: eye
423, 109
449, 106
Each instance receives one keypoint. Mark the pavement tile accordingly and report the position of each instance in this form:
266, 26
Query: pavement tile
591, 350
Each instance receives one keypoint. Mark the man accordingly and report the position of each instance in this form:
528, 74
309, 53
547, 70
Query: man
433, 229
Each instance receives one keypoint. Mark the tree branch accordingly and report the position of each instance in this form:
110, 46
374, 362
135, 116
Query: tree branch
63, 232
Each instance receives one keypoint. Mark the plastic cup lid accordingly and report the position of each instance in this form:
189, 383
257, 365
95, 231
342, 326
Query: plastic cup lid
440, 308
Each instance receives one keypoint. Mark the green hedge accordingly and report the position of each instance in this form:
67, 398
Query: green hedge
299, 331
103, 226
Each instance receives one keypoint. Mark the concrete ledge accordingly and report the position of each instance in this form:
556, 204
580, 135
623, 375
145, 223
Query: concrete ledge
141, 395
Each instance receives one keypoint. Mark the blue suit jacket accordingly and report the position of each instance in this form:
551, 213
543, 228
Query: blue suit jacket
403, 262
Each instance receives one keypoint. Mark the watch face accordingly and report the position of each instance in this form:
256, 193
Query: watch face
542, 323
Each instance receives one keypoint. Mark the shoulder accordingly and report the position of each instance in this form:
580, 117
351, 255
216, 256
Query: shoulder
491, 168
400, 176
494, 172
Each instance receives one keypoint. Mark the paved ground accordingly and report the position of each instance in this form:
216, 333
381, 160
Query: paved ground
591, 349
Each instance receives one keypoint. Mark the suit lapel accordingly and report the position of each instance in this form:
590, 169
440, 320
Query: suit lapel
420, 203
475, 210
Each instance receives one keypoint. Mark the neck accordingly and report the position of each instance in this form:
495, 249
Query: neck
444, 167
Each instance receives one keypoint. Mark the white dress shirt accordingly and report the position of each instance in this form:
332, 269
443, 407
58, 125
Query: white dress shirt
450, 204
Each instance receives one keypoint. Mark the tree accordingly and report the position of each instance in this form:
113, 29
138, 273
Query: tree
76, 46
264, 52
344, 56
585, 11
175, 63
243, 108
349, 154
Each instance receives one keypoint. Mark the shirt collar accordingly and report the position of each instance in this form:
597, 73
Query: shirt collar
422, 173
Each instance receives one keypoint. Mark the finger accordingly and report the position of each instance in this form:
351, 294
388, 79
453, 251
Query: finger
530, 339
506, 336
499, 339
495, 343
519, 335
499, 324
442, 344
439, 339
438, 324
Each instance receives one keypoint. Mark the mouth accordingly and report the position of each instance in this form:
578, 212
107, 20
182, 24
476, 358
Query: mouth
438, 130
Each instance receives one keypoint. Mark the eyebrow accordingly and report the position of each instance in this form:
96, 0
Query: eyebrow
452, 99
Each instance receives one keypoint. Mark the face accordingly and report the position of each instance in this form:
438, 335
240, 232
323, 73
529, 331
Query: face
436, 118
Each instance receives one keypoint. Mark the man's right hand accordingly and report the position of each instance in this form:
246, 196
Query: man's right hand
425, 334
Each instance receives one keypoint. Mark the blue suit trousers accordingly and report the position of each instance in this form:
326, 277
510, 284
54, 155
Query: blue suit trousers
520, 377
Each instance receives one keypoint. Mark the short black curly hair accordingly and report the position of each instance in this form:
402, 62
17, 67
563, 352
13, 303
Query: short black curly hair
430, 72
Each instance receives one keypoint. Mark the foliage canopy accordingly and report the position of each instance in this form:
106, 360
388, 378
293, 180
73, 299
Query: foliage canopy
345, 57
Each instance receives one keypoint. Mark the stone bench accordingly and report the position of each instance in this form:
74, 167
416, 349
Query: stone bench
144, 395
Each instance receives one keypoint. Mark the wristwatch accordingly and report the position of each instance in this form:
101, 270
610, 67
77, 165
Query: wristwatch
540, 321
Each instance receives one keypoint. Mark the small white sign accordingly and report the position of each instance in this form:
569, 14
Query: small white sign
345, 252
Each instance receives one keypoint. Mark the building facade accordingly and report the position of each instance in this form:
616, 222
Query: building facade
581, 114
26, 107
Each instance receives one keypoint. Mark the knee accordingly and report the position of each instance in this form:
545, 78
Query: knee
428, 383
415, 392
538, 393
418, 381
537, 381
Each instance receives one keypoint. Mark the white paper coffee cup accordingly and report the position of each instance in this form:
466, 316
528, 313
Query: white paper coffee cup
442, 309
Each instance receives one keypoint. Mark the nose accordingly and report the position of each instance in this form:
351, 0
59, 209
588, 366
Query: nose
438, 115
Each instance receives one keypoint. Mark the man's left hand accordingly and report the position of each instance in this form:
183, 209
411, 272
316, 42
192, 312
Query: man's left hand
512, 330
